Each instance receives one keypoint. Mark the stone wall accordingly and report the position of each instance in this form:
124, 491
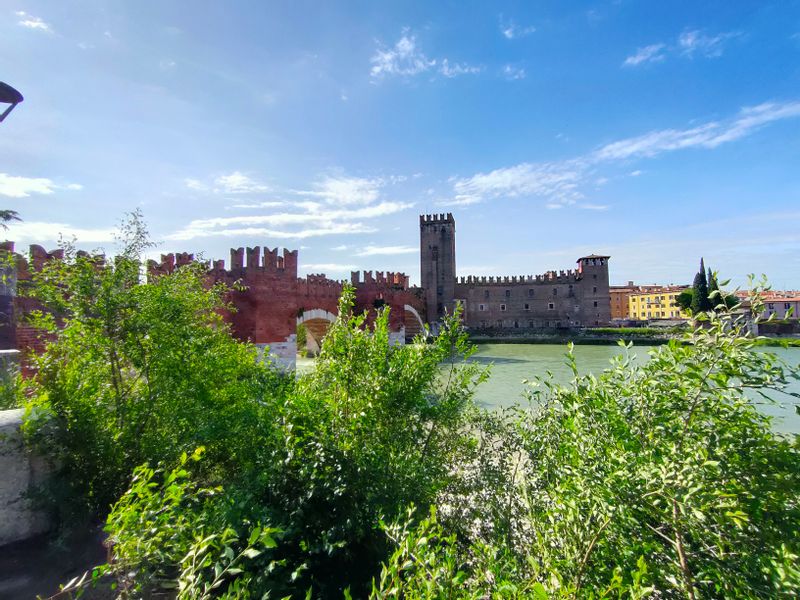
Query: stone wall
19, 472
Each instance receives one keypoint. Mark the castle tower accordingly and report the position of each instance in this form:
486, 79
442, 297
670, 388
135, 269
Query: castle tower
595, 298
437, 250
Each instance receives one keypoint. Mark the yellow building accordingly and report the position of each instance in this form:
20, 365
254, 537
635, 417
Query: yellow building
659, 303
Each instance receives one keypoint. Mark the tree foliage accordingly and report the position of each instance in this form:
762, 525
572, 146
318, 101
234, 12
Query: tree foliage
661, 479
135, 372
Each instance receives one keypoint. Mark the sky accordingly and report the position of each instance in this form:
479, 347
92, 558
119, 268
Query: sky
653, 132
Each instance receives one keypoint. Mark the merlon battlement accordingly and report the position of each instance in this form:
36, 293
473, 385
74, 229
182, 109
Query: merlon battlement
381, 278
434, 219
273, 262
38, 257
548, 277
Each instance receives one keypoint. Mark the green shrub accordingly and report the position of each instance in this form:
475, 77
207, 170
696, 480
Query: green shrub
137, 373
171, 536
372, 429
656, 480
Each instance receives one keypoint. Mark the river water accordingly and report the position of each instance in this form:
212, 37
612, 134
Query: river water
513, 363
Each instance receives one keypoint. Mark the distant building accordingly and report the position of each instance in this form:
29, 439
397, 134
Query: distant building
782, 304
619, 295
574, 298
782, 308
656, 303
620, 306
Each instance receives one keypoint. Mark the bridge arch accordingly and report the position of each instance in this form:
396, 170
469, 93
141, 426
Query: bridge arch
316, 321
413, 322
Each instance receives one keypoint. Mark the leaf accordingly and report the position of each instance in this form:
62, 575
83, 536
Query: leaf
251, 552
539, 593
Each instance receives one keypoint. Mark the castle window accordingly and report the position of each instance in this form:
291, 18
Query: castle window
503, 307
481, 307
786, 305
530, 293
486, 294
551, 306
527, 307
555, 291
770, 305
594, 290
530, 324
516, 323
595, 304
508, 293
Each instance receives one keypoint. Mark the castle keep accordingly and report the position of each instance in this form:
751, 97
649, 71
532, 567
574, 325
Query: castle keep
574, 298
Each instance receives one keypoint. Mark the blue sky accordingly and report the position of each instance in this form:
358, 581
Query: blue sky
653, 132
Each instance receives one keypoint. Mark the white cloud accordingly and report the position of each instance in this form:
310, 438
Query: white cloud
404, 59
315, 221
511, 30
689, 44
560, 182
708, 135
386, 250
696, 42
31, 22
232, 183
340, 247
38, 231
651, 53
513, 73
590, 206
456, 69
21, 187
267, 204
344, 191
166, 64
239, 183
195, 184
190, 232
555, 180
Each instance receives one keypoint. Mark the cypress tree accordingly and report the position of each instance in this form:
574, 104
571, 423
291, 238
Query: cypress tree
700, 301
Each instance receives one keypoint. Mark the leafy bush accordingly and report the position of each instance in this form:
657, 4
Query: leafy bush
655, 480
169, 535
372, 429
137, 372
10, 396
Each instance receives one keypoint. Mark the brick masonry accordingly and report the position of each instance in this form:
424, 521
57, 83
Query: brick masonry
556, 299
270, 299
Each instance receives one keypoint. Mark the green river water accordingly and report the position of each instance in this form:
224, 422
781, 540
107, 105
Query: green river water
513, 363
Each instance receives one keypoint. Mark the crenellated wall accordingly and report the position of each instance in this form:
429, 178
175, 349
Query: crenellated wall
269, 297
566, 298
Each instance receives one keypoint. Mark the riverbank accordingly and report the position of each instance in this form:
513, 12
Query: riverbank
611, 339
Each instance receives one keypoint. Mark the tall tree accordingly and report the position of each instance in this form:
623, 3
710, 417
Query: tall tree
700, 301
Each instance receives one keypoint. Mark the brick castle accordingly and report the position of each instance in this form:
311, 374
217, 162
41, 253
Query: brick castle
575, 298
271, 300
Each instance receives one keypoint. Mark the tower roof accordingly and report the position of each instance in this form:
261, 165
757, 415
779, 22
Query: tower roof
592, 256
